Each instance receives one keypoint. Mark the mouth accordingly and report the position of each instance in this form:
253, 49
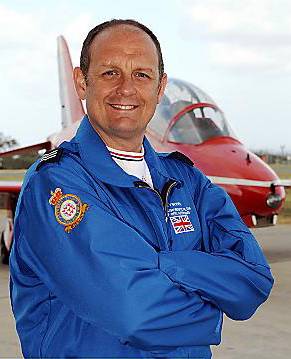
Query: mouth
121, 107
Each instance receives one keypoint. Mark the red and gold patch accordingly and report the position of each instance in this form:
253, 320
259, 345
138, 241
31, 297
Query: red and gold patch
69, 209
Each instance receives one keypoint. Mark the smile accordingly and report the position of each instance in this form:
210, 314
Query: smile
123, 107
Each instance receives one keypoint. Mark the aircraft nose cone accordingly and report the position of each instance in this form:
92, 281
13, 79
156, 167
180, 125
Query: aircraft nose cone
248, 180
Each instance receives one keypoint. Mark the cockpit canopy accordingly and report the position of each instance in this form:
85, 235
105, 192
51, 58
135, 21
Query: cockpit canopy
188, 115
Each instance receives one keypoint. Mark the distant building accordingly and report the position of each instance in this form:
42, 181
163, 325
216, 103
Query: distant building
272, 158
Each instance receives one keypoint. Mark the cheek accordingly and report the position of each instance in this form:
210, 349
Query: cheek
152, 101
150, 95
150, 107
96, 89
93, 104
95, 97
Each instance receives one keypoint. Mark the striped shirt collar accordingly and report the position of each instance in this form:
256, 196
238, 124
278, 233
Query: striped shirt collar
126, 156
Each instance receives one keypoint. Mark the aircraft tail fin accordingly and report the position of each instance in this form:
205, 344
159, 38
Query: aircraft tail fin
47, 145
71, 106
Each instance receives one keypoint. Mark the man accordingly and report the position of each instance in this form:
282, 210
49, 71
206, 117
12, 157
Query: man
98, 267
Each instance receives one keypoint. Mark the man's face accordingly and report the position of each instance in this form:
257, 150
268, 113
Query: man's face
123, 85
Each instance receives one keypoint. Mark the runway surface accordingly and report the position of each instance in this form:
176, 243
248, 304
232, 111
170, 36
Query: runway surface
265, 336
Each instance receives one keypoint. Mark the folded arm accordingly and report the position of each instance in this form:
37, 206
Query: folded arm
232, 271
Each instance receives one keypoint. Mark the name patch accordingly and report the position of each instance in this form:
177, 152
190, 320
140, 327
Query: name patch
179, 217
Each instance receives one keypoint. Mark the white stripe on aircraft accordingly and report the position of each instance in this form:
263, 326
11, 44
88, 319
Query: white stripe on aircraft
248, 182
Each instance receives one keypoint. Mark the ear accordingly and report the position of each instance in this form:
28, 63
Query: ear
80, 83
162, 86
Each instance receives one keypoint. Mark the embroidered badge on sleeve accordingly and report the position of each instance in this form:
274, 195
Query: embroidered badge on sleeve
69, 209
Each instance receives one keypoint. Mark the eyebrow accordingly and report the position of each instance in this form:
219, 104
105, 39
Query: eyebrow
145, 69
148, 69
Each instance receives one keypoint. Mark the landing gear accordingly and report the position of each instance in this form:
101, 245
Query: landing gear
4, 251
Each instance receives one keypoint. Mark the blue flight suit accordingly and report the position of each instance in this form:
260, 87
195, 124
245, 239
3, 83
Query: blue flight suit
104, 266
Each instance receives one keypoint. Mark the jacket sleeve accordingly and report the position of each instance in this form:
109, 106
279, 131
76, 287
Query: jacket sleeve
105, 272
231, 271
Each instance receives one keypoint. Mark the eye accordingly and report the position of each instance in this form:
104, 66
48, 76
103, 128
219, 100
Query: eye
142, 75
110, 73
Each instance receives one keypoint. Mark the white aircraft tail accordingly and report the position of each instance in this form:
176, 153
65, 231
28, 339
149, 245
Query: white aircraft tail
71, 106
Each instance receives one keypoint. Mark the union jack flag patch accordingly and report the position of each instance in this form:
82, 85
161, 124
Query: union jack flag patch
181, 224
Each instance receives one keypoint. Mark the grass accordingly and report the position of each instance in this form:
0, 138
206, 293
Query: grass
284, 172
285, 214
11, 175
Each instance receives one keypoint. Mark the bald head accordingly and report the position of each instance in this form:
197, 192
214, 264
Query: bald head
116, 24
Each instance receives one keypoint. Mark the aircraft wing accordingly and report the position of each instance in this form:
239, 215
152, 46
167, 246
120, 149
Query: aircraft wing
47, 145
10, 186
15, 186
283, 182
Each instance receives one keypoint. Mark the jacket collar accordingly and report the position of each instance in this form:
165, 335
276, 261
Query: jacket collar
97, 159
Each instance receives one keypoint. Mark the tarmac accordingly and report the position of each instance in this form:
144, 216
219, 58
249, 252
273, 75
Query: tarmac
267, 335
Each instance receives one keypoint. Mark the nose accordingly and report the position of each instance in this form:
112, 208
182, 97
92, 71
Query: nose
126, 86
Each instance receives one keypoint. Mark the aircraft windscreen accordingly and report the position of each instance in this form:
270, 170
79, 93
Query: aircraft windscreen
178, 94
199, 125
178, 90
194, 127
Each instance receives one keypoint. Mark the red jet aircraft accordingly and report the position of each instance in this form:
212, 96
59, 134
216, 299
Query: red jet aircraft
186, 120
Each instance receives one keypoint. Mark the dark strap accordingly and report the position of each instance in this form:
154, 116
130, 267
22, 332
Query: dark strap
181, 157
50, 157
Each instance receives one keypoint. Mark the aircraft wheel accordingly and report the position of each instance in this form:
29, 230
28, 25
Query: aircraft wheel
4, 252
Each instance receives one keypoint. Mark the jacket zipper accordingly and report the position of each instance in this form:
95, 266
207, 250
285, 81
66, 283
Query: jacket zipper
141, 184
163, 197
171, 185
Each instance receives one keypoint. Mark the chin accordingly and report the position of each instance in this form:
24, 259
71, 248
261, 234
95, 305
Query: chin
128, 132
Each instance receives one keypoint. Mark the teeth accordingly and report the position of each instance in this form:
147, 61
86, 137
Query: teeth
123, 107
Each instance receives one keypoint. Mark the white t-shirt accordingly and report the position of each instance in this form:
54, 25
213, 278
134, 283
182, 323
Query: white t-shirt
133, 163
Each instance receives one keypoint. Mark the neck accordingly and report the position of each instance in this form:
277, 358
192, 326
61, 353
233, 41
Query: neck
130, 144
123, 146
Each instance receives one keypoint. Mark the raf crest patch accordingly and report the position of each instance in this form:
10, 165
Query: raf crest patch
69, 210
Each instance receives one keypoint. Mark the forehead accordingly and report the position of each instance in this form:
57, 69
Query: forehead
123, 40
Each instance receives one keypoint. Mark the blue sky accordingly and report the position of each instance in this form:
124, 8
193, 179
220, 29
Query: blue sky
239, 52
